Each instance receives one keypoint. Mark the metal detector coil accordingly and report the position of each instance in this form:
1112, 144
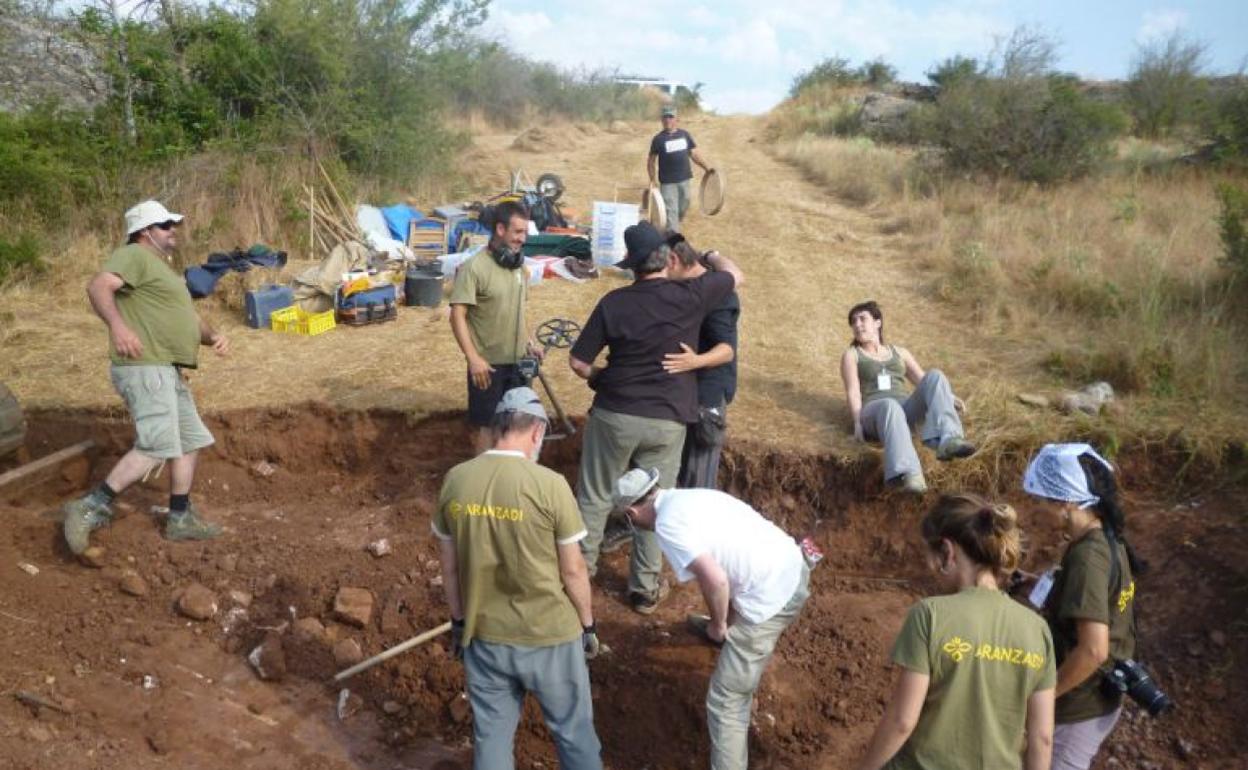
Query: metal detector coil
557, 334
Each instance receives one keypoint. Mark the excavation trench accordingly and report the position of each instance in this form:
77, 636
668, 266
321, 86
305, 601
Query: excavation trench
303, 490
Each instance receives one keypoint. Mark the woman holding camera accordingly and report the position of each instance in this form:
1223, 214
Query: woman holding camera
874, 375
1091, 606
977, 667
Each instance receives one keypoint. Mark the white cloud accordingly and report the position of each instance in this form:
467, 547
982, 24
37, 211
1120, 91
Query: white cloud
727, 101
755, 43
522, 25
1159, 24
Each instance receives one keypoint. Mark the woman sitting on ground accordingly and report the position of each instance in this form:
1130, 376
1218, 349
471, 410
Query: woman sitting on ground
976, 666
873, 374
1091, 607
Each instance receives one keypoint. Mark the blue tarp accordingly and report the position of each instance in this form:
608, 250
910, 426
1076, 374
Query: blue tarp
465, 226
399, 218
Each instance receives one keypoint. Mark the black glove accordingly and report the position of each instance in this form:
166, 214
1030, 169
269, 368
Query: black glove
589, 641
457, 638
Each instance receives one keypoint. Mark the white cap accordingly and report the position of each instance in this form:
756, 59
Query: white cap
633, 486
146, 214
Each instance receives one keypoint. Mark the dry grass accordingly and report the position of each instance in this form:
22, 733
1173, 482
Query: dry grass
1113, 277
807, 257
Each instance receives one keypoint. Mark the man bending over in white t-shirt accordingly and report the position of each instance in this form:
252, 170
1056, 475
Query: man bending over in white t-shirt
741, 561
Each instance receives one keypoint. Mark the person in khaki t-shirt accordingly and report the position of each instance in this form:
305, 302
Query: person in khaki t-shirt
1091, 606
518, 590
487, 316
154, 336
978, 668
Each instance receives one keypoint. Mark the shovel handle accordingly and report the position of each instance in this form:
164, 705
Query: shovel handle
398, 649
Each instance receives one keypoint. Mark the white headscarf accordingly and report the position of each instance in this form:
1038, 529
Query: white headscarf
1055, 473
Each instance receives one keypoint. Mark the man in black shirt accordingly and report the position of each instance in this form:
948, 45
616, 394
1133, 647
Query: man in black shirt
640, 411
670, 152
715, 362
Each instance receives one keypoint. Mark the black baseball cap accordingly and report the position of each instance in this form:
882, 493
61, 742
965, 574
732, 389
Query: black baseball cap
640, 240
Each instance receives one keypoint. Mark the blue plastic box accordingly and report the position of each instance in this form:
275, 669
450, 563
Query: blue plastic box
263, 301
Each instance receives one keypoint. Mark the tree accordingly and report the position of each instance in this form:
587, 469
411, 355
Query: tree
1165, 89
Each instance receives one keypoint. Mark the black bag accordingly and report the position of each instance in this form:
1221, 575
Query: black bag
709, 430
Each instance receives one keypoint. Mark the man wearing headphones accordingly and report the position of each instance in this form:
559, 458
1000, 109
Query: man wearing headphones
487, 316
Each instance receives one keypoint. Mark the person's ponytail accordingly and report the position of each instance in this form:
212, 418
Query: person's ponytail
1108, 509
987, 532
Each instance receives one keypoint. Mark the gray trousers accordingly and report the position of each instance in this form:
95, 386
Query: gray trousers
1075, 743
747, 648
498, 677
675, 202
888, 421
613, 444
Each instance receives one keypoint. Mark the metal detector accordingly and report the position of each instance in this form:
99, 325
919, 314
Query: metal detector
557, 333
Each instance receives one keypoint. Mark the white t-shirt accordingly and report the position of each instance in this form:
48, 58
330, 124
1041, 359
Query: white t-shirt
763, 564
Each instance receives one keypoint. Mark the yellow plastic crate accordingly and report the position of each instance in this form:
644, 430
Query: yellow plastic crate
295, 320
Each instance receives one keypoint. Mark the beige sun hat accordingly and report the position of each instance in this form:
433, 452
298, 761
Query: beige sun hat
146, 214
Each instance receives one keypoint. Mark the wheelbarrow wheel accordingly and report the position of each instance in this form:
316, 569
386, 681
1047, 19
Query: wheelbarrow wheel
550, 186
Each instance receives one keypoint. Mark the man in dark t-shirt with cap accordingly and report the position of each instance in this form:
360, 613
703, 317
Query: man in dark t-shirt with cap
671, 150
640, 411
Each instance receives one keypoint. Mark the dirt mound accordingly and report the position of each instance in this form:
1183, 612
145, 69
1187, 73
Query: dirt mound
303, 491
546, 139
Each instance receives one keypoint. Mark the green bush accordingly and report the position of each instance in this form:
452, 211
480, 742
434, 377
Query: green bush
1229, 128
953, 70
20, 255
1165, 89
834, 71
1233, 227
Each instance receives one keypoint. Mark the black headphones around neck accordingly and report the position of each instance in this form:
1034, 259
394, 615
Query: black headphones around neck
511, 259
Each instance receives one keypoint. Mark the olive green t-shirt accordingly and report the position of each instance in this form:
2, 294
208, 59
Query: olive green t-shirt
1081, 591
495, 298
507, 515
870, 376
156, 305
986, 655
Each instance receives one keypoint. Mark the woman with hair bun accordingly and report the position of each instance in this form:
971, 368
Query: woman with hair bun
1091, 606
977, 667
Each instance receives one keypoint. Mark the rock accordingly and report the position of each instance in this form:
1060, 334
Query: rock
264, 469
269, 659
28, 568
379, 548
1184, 749
158, 741
1089, 399
197, 602
241, 598
885, 115
39, 733
1034, 399
347, 653
459, 709
354, 606
132, 583
228, 562
349, 704
93, 557
309, 630
392, 707
1218, 638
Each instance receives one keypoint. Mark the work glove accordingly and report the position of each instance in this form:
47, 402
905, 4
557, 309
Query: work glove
589, 641
457, 638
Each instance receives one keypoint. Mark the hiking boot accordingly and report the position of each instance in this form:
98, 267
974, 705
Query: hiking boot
953, 448
910, 483
615, 537
646, 605
82, 517
189, 526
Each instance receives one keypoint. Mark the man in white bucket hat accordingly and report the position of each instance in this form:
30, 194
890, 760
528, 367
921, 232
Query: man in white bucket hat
154, 335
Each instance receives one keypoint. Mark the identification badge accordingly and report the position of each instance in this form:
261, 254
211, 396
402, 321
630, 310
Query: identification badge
883, 382
1040, 591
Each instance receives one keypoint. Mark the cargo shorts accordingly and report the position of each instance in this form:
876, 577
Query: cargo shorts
165, 419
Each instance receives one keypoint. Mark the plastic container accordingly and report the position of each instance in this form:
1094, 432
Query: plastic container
422, 287
294, 320
261, 303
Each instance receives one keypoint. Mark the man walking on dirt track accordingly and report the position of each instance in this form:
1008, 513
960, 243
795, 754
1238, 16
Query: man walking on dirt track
745, 565
518, 591
640, 411
154, 336
487, 316
670, 152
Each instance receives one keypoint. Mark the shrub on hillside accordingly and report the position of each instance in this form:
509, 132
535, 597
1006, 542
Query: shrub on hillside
1229, 128
19, 255
953, 70
1019, 118
834, 71
1233, 228
1165, 89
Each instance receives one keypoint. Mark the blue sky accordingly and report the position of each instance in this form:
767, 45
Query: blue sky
747, 52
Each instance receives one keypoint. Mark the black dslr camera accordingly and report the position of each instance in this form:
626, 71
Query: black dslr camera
1130, 678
